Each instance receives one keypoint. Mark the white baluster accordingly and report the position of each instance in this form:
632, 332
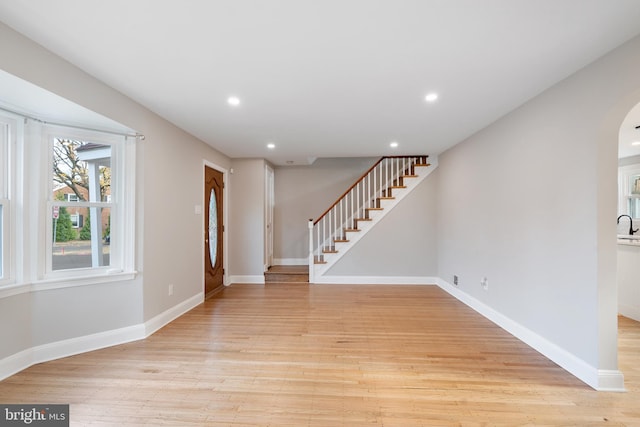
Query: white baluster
342, 205
351, 208
324, 234
357, 203
364, 197
388, 175
329, 229
380, 173
311, 260
375, 185
366, 190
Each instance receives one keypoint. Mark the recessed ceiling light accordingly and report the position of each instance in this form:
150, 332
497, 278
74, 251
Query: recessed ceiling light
635, 143
234, 101
393, 144
271, 146
431, 97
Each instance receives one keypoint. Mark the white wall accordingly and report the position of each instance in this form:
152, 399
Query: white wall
16, 324
304, 192
530, 203
169, 174
247, 221
402, 244
173, 184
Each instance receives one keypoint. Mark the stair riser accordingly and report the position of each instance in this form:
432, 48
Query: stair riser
286, 278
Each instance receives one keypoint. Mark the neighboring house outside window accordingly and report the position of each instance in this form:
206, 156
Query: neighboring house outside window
79, 214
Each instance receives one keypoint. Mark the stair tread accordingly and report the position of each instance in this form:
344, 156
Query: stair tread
364, 219
341, 240
374, 209
288, 269
386, 198
398, 186
351, 229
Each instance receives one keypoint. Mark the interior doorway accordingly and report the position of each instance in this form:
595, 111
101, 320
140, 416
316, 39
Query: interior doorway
628, 222
269, 209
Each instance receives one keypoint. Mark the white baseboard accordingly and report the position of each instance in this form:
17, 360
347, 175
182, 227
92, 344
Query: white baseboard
43, 353
601, 380
291, 261
610, 380
15, 363
629, 311
59, 349
258, 280
154, 324
377, 280
86, 343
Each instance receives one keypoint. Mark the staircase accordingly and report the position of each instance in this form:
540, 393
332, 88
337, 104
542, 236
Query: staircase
357, 211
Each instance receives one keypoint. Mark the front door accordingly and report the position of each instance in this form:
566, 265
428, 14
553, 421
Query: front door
213, 229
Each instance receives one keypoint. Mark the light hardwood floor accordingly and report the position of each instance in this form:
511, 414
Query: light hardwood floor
324, 355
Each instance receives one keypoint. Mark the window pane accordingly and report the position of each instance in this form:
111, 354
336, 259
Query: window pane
1, 244
81, 170
81, 173
4, 161
634, 207
75, 247
634, 184
213, 228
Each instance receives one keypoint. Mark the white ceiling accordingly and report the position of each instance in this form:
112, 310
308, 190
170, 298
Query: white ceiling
328, 78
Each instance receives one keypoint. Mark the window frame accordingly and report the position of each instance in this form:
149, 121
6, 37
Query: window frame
10, 128
121, 206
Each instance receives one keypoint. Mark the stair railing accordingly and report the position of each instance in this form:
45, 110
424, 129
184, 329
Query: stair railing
354, 205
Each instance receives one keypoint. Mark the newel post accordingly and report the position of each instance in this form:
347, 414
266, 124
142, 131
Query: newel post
311, 263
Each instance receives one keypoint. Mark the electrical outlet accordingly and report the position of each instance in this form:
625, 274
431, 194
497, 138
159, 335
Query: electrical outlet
171, 289
484, 283
455, 280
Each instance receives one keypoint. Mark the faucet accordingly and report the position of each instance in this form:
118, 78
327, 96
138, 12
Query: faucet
631, 230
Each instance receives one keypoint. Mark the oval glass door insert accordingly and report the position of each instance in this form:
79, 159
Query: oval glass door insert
213, 228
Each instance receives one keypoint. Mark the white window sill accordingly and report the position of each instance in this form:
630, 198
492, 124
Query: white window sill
65, 282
